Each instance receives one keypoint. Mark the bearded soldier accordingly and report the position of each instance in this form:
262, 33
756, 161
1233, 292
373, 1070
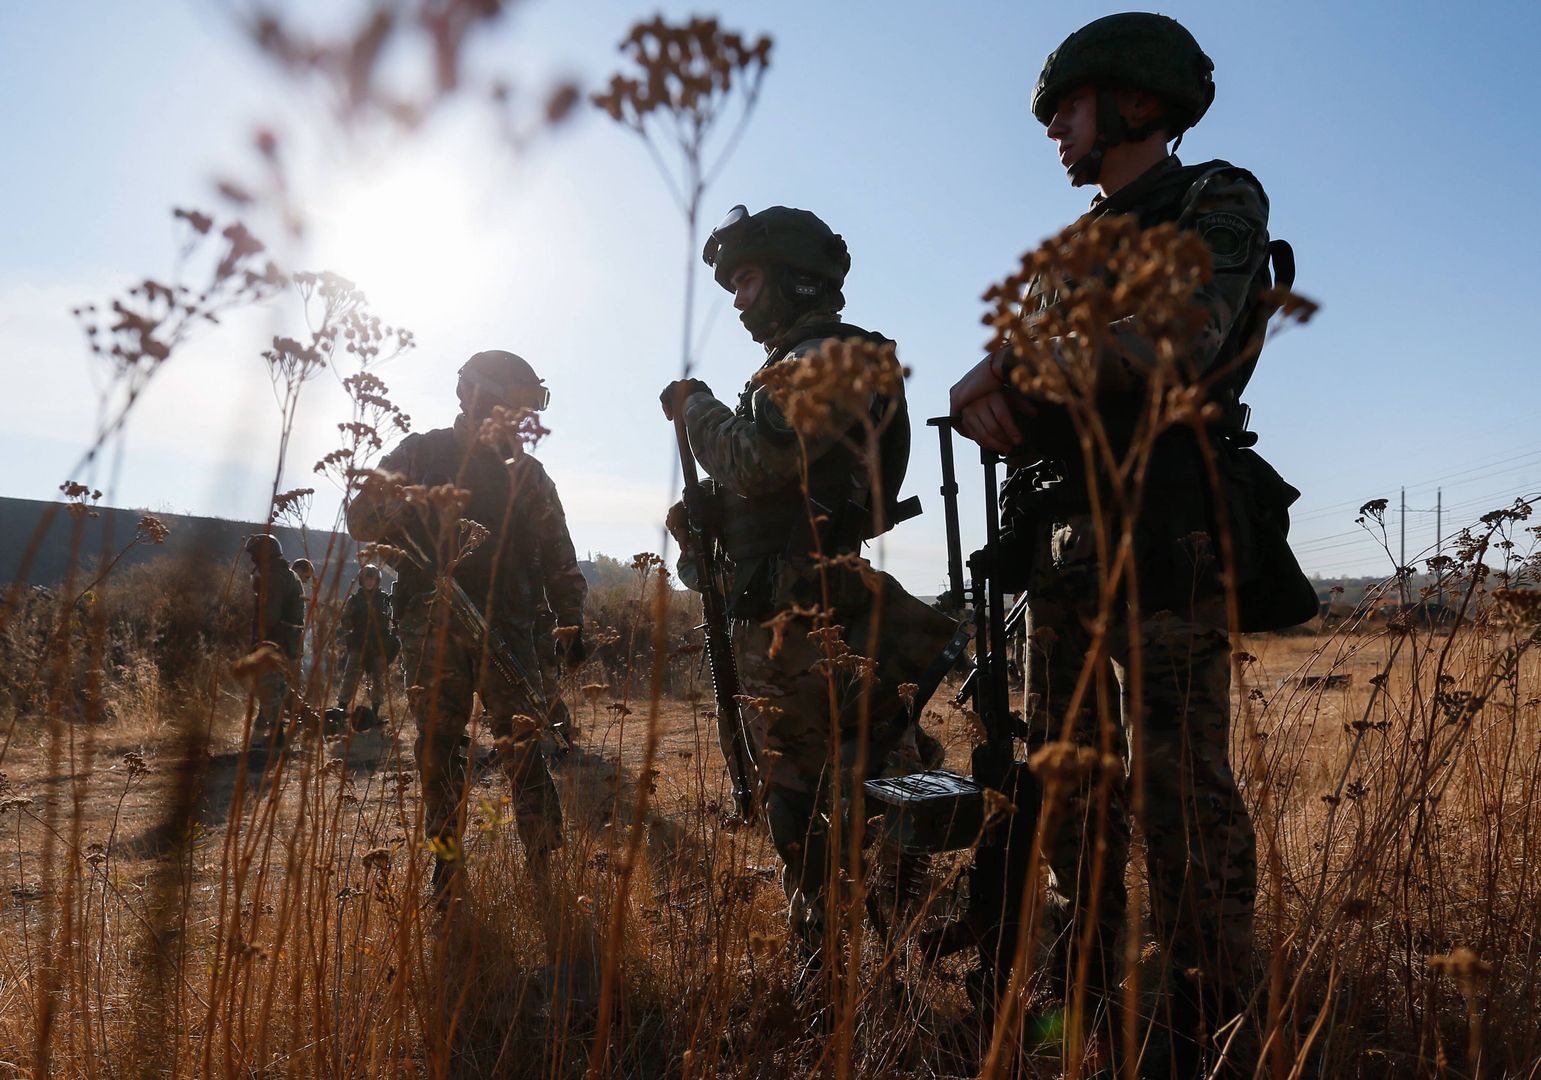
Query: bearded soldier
1112, 97
784, 494
525, 560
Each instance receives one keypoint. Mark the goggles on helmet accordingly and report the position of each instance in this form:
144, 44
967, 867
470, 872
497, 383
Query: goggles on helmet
723, 233
535, 396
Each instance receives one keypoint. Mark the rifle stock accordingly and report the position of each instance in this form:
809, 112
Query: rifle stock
719, 645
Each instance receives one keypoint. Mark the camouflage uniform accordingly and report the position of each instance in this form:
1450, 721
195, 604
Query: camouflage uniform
756, 461
1201, 850
278, 615
527, 560
367, 639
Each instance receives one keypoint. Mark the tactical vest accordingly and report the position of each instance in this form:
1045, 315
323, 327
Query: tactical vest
1271, 590
500, 573
1169, 198
835, 513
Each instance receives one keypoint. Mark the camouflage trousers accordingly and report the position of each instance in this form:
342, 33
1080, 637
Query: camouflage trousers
273, 695
821, 717
444, 672
356, 667
272, 692
1155, 708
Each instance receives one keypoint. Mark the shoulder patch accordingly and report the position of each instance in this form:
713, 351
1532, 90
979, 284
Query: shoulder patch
1228, 238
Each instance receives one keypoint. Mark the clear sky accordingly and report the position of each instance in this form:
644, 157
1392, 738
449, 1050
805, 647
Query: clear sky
1396, 141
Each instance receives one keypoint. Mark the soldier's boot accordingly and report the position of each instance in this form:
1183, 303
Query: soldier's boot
1199, 1019
366, 717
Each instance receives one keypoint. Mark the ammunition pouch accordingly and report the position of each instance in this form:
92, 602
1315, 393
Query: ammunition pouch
1272, 592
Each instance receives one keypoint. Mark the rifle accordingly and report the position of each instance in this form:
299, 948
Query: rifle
707, 552
1011, 628
942, 811
501, 657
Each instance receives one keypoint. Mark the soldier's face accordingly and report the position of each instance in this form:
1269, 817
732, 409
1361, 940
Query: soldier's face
748, 282
370, 583
1074, 127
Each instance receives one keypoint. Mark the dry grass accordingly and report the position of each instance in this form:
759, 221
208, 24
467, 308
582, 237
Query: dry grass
176, 906
171, 908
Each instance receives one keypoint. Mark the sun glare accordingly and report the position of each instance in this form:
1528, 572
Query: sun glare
408, 237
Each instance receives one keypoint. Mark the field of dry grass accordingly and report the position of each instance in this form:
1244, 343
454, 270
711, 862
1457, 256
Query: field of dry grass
172, 906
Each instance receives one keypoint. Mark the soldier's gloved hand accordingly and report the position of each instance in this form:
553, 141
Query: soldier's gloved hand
677, 391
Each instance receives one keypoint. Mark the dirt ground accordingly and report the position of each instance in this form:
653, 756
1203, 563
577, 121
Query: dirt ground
124, 775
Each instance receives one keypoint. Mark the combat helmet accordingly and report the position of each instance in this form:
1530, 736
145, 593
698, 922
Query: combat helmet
263, 546
369, 570
495, 377
780, 236
1134, 50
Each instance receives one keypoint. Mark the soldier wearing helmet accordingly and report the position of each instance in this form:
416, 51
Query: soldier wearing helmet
370, 644
278, 617
526, 559
785, 268
1112, 97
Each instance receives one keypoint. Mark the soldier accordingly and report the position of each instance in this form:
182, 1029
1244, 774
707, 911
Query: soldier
370, 644
305, 570
526, 559
785, 269
1112, 97
278, 617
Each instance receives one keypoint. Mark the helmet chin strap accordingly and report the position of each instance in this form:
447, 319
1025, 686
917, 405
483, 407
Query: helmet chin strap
1112, 130
779, 304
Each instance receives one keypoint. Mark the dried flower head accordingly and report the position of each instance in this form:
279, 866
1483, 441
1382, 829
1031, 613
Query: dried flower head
781, 621
1465, 967
763, 706
832, 387
687, 70
1106, 286
1068, 762
511, 432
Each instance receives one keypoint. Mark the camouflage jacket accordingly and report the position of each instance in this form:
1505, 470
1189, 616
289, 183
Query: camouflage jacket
756, 461
1228, 209
278, 607
527, 559
366, 621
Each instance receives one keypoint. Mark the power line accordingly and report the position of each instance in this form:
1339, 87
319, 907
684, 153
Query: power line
1513, 462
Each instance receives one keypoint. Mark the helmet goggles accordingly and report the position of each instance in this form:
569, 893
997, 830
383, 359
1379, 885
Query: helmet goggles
732, 224
535, 396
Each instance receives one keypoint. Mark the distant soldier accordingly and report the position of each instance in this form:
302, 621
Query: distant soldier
305, 570
278, 617
370, 644
1112, 97
785, 268
526, 559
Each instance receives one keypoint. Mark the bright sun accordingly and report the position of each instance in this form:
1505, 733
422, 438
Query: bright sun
408, 237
